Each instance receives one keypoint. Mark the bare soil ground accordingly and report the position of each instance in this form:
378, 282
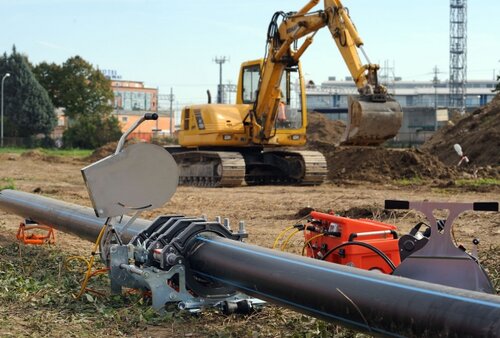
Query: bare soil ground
477, 133
267, 210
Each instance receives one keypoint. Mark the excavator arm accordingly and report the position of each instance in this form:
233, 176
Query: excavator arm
373, 116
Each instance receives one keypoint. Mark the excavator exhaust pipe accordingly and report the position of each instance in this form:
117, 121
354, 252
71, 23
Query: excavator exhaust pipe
371, 123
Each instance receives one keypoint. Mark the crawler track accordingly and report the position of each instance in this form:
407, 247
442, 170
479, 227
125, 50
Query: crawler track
210, 168
253, 166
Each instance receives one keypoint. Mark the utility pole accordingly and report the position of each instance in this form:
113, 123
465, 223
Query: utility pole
1, 130
171, 99
229, 88
220, 61
157, 108
435, 82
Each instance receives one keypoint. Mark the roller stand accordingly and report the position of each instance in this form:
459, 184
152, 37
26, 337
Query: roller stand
28, 234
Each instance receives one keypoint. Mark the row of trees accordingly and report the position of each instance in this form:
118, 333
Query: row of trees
32, 92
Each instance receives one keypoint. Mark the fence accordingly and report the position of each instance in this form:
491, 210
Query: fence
29, 142
410, 139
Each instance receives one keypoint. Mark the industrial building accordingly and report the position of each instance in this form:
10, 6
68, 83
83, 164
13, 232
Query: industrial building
131, 100
425, 103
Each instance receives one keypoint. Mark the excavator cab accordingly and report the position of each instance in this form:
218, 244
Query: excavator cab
290, 106
291, 120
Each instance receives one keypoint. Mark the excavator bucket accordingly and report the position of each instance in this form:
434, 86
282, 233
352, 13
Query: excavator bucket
371, 123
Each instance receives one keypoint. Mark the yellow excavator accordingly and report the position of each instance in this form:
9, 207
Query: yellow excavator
251, 141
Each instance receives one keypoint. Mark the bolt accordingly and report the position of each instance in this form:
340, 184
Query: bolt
226, 224
172, 296
241, 229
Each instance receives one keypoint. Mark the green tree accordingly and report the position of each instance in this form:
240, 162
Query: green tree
84, 89
497, 87
86, 95
28, 110
91, 131
49, 75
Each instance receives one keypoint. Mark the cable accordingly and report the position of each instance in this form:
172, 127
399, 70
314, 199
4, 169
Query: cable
90, 262
76, 258
309, 241
285, 243
281, 234
365, 245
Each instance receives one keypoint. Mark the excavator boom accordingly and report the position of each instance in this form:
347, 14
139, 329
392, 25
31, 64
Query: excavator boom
373, 117
252, 141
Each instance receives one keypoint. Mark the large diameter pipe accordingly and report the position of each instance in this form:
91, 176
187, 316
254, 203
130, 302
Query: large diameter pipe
364, 300
75, 219
367, 301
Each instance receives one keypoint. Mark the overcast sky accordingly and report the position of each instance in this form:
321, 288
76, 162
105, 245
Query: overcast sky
168, 43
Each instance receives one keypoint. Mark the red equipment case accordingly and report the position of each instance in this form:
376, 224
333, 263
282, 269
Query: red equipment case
327, 231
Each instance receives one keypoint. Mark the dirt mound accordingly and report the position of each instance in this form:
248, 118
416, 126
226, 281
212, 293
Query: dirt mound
373, 164
477, 133
323, 130
107, 149
380, 164
102, 152
37, 155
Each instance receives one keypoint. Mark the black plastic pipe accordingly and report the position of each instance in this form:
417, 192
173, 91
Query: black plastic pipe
72, 218
368, 301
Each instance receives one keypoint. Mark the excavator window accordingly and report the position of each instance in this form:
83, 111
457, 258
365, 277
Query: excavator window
251, 75
290, 101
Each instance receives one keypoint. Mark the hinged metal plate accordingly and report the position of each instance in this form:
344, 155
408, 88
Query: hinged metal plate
143, 176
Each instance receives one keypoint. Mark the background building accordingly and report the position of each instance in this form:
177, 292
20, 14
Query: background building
132, 95
131, 101
425, 103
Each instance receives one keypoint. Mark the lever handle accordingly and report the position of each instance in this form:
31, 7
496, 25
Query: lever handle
151, 116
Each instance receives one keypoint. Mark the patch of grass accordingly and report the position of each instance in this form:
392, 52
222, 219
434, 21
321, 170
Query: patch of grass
34, 280
68, 152
478, 182
7, 183
35, 287
409, 181
50, 152
12, 150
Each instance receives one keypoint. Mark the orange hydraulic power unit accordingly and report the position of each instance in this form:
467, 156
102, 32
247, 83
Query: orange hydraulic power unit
362, 243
